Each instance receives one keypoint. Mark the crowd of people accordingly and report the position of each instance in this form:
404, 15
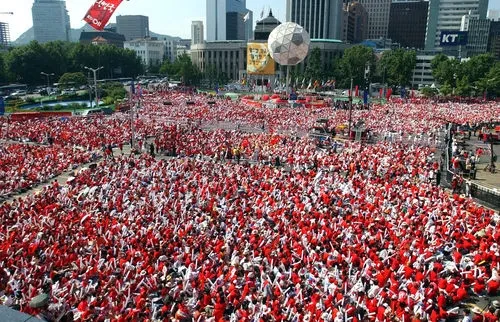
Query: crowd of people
23, 165
359, 233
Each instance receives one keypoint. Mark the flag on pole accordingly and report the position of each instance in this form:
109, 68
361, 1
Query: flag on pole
101, 11
356, 91
246, 17
389, 93
262, 13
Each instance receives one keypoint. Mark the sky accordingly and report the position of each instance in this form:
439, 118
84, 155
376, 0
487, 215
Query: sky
168, 17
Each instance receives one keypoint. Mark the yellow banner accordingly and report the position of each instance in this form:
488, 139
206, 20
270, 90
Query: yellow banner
259, 62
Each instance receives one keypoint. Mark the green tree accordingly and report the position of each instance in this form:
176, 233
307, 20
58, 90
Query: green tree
24, 64
398, 66
429, 91
73, 79
186, 71
445, 70
211, 75
314, 68
490, 83
446, 89
477, 66
463, 86
3, 74
354, 63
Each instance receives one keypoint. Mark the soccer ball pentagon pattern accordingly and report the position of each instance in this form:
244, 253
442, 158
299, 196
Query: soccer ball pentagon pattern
288, 44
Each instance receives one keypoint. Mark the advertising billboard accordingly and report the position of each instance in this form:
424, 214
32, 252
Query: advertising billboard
453, 38
259, 62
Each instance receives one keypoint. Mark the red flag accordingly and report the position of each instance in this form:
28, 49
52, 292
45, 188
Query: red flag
381, 92
356, 91
100, 13
389, 93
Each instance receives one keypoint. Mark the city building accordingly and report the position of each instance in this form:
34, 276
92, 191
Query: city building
321, 18
102, 38
228, 57
50, 21
378, 17
150, 50
170, 49
133, 26
181, 50
354, 23
197, 32
478, 31
407, 23
228, 20
265, 26
422, 73
447, 15
493, 14
4, 35
494, 39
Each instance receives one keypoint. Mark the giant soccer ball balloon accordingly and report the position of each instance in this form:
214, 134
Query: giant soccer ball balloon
288, 44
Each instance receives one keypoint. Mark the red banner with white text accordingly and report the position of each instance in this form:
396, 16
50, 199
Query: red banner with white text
100, 13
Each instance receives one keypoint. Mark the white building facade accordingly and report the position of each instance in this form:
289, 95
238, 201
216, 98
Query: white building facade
197, 32
151, 52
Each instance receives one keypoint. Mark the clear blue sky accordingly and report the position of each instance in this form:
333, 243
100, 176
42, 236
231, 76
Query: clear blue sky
171, 17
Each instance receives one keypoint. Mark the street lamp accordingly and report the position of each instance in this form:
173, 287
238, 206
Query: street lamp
95, 70
48, 79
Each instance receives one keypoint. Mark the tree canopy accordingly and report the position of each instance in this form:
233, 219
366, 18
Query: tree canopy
398, 65
25, 63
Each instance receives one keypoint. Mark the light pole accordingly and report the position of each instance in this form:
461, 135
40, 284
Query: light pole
95, 70
48, 79
350, 112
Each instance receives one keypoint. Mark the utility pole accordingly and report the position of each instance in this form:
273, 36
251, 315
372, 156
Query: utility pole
48, 82
95, 70
350, 111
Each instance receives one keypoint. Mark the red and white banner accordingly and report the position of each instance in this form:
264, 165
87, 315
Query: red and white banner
100, 13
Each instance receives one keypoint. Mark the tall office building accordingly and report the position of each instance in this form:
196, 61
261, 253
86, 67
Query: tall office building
378, 17
494, 39
355, 23
133, 26
50, 20
407, 22
4, 35
447, 15
478, 31
321, 18
197, 32
228, 20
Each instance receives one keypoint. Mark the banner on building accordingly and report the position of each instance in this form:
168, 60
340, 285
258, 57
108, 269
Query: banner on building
100, 13
453, 38
259, 62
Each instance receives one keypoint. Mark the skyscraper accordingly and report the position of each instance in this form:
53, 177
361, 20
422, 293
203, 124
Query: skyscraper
133, 26
447, 15
50, 20
321, 18
228, 20
355, 23
4, 35
196, 32
378, 17
407, 22
478, 31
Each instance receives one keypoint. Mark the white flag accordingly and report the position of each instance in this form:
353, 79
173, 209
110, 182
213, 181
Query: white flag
246, 17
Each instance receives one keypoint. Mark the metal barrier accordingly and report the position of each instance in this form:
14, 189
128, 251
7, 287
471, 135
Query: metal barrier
489, 196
